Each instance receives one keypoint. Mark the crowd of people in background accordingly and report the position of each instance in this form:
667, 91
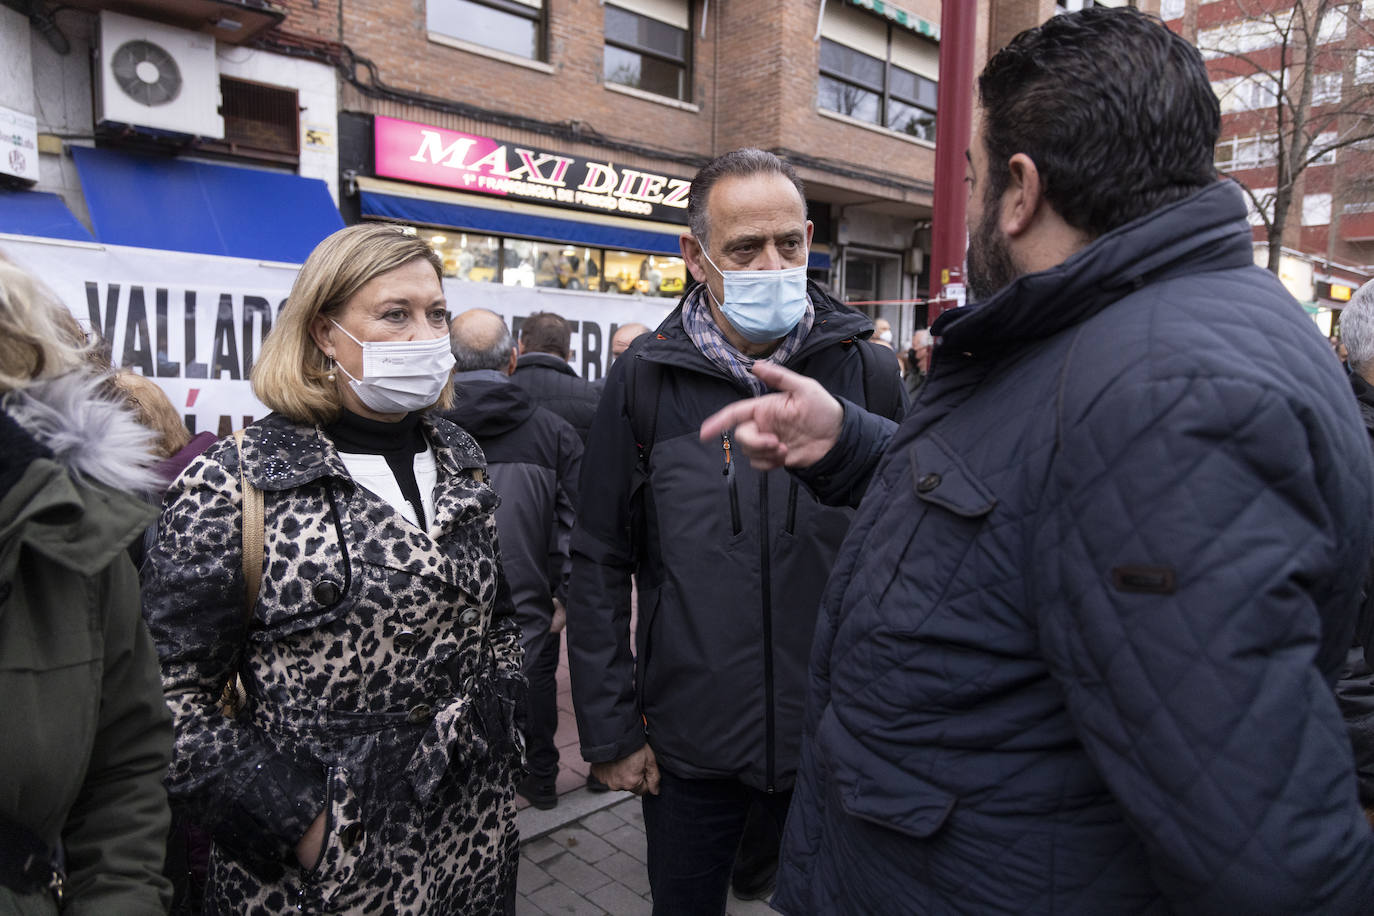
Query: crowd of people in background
1064, 608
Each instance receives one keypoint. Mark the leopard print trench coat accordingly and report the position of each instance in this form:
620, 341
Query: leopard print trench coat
382, 669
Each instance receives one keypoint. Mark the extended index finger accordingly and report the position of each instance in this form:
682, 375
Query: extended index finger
728, 418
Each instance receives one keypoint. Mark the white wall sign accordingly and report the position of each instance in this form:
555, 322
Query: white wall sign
18, 144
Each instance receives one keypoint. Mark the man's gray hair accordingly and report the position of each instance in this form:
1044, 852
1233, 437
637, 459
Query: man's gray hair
484, 351
735, 164
1357, 329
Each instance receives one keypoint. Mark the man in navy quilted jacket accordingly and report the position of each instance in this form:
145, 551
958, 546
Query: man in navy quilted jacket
1075, 655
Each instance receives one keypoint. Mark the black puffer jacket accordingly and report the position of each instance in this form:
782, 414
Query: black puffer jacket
556, 386
533, 457
730, 564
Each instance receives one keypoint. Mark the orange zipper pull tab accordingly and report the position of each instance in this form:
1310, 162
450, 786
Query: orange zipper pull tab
725, 443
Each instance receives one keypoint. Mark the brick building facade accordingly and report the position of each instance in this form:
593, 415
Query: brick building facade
620, 101
1250, 45
656, 87
747, 76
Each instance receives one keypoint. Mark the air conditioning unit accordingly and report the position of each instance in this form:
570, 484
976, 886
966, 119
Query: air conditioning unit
157, 76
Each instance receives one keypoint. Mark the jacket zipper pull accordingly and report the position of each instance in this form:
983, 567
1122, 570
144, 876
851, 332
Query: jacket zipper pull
725, 443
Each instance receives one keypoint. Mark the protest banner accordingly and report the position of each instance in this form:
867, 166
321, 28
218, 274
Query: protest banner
195, 323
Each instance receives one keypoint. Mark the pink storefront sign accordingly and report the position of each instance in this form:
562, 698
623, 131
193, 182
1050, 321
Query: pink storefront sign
433, 155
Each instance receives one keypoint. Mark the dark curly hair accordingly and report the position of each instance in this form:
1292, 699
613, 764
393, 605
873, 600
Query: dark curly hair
1115, 110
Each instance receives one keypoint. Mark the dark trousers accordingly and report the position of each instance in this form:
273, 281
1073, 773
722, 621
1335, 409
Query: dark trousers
541, 723
693, 828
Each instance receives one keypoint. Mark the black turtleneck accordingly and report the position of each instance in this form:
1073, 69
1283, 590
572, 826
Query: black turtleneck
397, 442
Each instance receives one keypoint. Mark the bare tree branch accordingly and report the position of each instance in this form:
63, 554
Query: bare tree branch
1283, 57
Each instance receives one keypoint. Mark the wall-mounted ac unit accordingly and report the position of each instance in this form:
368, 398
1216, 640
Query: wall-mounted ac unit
157, 76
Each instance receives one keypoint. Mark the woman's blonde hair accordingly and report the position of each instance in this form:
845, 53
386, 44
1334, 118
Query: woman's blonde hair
154, 410
39, 338
292, 374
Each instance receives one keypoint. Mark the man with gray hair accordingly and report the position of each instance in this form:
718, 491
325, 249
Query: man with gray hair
1355, 689
918, 361
533, 458
704, 720
624, 335
1357, 334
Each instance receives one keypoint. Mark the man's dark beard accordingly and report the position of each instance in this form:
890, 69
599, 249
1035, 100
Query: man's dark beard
989, 258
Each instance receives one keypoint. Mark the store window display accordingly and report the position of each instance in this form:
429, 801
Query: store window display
551, 265
466, 256
631, 272
521, 262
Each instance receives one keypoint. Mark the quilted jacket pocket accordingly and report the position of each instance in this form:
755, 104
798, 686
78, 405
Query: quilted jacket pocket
940, 477
873, 789
939, 516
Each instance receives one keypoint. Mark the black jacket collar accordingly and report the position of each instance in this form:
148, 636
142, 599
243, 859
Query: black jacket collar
546, 361
1364, 395
1208, 228
489, 404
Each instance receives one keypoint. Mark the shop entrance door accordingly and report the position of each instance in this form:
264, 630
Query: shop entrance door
871, 275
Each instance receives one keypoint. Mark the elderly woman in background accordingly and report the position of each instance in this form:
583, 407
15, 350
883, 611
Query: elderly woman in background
85, 734
370, 768
174, 446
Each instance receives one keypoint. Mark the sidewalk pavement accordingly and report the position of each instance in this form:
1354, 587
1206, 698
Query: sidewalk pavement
586, 856
595, 865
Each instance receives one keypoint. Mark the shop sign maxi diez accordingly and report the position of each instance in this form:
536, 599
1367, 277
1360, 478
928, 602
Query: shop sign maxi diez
466, 162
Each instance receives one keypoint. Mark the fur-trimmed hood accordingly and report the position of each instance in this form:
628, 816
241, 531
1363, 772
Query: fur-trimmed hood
94, 436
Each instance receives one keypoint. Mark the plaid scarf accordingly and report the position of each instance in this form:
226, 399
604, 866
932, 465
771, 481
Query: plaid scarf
701, 328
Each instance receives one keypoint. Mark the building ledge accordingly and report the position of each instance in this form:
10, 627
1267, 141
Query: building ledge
440, 38
1357, 226
232, 22
876, 128
652, 97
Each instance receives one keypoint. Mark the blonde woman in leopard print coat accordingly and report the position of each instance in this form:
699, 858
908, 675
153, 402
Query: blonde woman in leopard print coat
371, 767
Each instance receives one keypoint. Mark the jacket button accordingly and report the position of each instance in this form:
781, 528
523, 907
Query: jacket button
420, 714
468, 617
351, 835
326, 593
405, 640
927, 483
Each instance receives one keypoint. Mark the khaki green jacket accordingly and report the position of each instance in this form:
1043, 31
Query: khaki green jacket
86, 736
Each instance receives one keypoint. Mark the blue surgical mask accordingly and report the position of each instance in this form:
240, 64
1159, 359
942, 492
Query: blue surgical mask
763, 305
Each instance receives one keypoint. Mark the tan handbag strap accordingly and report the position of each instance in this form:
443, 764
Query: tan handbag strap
253, 526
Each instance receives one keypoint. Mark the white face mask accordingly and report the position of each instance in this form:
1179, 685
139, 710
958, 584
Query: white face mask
885, 336
401, 375
763, 305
